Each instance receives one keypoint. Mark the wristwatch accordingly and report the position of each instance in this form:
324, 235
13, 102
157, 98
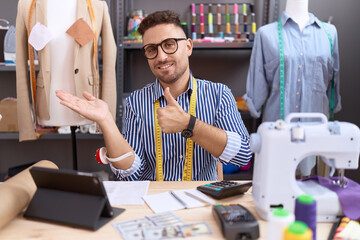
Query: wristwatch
188, 132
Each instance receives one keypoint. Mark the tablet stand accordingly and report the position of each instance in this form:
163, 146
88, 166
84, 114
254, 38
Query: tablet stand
70, 208
70, 197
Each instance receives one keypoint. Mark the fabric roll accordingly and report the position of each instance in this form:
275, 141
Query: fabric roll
17, 192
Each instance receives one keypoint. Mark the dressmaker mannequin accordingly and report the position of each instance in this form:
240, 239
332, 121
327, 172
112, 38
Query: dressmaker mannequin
61, 62
68, 31
311, 67
67, 60
298, 11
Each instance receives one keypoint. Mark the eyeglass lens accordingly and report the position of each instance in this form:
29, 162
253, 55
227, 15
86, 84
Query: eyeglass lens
169, 46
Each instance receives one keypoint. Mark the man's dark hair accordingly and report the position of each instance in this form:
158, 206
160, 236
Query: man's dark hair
159, 17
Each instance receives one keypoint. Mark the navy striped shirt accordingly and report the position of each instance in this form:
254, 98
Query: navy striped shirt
215, 105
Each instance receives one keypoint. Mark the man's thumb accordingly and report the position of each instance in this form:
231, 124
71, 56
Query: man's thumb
169, 98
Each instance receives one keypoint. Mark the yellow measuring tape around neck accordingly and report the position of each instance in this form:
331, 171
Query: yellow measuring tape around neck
31, 49
189, 142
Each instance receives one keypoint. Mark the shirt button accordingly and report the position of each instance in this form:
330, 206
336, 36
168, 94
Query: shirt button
297, 106
181, 156
179, 179
297, 93
76, 70
299, 80
300, 66
301, 54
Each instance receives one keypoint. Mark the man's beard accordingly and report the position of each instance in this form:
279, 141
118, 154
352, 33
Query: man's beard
168, 79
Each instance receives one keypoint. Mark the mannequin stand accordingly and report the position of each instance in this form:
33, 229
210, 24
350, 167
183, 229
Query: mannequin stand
74, 150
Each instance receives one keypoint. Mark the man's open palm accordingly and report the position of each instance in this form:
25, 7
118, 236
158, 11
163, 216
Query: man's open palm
91, 107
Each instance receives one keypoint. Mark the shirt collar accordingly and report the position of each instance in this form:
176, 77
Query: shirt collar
312, 19
159, 91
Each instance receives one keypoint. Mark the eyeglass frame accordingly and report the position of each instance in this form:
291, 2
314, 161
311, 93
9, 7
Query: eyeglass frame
160, 44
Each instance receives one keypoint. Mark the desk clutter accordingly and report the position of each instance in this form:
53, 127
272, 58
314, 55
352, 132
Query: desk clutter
236, 221
233, 219
223, 189
160, 226
274, 183
176, 200
69, 197
345, 229
286, 225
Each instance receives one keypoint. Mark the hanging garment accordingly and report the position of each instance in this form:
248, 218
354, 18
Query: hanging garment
309, 67
85, 72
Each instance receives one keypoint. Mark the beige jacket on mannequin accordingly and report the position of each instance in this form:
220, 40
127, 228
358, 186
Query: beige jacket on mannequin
86, 77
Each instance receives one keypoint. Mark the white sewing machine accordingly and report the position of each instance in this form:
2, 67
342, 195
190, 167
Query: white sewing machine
280, 146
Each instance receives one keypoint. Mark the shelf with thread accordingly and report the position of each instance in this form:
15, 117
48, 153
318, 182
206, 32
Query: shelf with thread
199, 45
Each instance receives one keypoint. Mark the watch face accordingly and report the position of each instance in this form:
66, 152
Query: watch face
186, 133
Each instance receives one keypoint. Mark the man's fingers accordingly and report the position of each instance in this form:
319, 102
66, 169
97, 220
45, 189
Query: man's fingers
88, 96
61, 94
160, 112
70, 105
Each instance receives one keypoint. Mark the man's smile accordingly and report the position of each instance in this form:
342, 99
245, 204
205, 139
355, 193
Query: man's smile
165, 66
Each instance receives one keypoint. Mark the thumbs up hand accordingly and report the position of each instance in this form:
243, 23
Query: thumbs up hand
172, 118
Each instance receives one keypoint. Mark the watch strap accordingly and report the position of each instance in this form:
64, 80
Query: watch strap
191, 122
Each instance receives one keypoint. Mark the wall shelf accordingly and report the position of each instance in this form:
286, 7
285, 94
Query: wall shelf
53, 136
12, 68
207, 46
5, 68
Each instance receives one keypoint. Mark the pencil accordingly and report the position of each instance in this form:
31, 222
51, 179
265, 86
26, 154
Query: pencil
179, 199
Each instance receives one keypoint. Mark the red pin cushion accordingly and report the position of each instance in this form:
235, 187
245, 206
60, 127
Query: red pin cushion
103, 159
101, 156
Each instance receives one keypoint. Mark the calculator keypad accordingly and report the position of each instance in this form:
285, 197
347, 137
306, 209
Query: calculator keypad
224, 188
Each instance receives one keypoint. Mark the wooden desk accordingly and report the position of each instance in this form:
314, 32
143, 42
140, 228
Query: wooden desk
21, 228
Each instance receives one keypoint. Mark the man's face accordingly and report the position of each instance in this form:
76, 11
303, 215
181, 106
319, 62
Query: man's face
168, 68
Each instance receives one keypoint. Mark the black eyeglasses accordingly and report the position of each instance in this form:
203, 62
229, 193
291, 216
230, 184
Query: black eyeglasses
169, 46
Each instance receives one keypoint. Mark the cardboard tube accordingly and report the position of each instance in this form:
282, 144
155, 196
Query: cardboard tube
17, 192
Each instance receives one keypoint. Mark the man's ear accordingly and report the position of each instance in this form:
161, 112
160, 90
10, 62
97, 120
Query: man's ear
189, 45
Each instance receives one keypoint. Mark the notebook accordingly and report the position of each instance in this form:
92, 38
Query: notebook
176, 200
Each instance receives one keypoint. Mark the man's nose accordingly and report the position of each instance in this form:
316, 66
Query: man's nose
161, 53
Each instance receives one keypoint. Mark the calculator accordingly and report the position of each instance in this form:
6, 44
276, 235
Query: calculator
236, 221
223, 189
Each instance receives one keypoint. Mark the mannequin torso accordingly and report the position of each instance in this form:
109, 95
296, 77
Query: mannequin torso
298, 11
310, 64
60, 16
85, 76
